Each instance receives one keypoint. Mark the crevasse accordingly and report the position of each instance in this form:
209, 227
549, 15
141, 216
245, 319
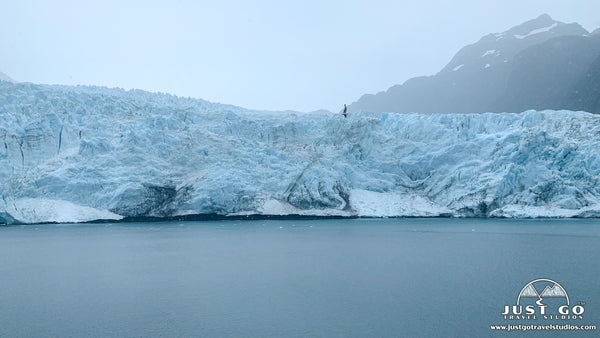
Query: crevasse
72, 154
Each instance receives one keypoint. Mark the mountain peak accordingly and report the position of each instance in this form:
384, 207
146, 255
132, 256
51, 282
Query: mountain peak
4, 77
484, 76
542, 21
499, 48
543, 24
544, 16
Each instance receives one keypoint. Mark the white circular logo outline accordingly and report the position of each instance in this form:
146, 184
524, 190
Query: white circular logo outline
543, 280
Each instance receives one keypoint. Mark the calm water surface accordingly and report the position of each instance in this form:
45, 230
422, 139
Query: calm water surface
346, 278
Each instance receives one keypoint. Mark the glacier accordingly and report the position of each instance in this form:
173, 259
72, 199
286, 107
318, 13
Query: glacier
79, 153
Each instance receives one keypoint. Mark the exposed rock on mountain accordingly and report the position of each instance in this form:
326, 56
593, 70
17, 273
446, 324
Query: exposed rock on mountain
540, 64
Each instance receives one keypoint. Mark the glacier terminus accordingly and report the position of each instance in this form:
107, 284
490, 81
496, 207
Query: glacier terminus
74, 154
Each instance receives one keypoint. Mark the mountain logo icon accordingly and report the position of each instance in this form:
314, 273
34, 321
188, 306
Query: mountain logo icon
551, 289
543, 299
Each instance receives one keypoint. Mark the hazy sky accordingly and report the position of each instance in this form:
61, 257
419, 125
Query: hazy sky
300, 55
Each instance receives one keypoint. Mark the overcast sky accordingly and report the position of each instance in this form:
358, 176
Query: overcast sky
277, 55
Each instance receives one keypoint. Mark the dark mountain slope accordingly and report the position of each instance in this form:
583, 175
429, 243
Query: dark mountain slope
539, 64
549, 76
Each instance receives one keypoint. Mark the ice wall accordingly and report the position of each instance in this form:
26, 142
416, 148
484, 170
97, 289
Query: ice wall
111, 153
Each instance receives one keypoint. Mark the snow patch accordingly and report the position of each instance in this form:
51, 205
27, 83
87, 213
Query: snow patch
489, 52
382, 204
526, 211
537, 31
276, 207
546, 211
458, 67
487, 65
39, 210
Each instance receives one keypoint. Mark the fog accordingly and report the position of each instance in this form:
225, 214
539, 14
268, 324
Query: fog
274, 55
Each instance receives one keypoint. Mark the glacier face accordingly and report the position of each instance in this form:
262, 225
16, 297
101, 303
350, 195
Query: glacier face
84, 153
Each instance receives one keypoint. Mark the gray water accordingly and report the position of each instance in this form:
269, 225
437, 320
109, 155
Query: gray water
361, 277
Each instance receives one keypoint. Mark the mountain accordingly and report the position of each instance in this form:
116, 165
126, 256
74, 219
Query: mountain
4, 77
553, 291
529, 291
83, 153
540, 64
